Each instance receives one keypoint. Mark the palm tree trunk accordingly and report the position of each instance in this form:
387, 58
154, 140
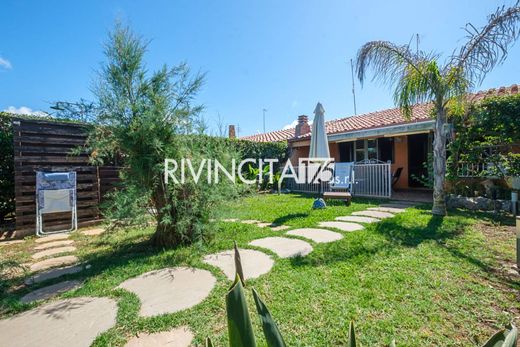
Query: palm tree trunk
439, 163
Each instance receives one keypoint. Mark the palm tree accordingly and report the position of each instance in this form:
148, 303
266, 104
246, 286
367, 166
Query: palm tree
420, 77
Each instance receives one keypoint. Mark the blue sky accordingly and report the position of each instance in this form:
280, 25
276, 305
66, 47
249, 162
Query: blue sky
280, 55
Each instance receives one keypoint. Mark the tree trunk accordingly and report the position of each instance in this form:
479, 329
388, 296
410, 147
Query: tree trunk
165, 235
439, 163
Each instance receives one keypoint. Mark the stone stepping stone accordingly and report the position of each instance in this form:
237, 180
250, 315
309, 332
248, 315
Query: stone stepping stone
50, 291
316, 235
53, 251
70, 322
263, 225
250, 221
358, 219
170, 290
178, 337
254, 263
53, 273
54, 262
93, 232
280, 228
230, 220
375, 214
11, 242
48, 245
387, 209
50, 238
344, 226
283, 247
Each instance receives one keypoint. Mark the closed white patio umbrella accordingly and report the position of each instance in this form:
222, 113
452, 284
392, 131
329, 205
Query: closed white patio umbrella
319, 149
319, 143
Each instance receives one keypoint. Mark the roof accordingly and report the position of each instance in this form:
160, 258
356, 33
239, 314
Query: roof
372, 120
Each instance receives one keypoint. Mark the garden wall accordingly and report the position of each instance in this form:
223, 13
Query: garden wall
47, 145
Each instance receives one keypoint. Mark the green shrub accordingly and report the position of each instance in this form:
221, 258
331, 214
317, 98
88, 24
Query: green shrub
6, 167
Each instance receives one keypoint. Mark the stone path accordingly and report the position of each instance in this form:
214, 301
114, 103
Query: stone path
358, 219
70, 322
283, 247
316, 235
375, 214
344, 226
272, 226
54, 262
93, 232
254, 263
170, 290
177, 337
53, 273
53, 244
50, 291
53, 251
78, 321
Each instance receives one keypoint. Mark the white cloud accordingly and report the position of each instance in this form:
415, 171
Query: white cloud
293, 124
5, 63
24, 110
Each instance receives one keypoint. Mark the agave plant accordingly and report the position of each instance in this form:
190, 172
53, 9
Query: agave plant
241, 332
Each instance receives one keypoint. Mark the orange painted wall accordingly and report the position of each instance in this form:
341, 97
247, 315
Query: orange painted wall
401, 160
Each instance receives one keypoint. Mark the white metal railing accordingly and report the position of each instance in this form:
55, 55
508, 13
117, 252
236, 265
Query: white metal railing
465, 169
370, 179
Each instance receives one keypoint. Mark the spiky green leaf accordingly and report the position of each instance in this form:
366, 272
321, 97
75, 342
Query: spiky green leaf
208, 342
271, 332
239, 323
238, 265
351, 335
503, 338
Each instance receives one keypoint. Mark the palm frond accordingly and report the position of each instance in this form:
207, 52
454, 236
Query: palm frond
414, 77
488, 46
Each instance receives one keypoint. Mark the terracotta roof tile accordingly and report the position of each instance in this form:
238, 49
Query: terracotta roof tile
376, 119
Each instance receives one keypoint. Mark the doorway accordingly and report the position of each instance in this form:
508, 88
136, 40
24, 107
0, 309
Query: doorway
418, 148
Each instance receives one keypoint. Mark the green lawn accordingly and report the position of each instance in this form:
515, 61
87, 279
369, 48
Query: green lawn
423, 280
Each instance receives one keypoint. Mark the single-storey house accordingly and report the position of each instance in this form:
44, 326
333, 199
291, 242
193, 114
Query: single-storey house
383, 135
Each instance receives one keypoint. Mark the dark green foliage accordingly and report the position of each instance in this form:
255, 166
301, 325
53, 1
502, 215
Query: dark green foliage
144, 118
351, 335
6, 167
486, 132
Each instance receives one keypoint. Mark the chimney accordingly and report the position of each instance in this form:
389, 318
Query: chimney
231, 132
303, 126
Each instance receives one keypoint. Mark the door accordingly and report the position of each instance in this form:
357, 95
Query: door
417, 159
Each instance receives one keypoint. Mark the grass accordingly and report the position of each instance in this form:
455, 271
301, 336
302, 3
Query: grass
423, 280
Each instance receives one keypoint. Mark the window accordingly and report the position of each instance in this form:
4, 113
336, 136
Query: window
380, 148
386, 149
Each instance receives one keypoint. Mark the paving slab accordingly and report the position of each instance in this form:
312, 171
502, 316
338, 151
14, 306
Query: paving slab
65, 323
280, 228
53, 244
263, 225
93, 232
375, 214
178, 337
54, 262
254, 263
170, 290
230, 220
387, 209
53, 251
50, 291
358, 219
50, 238
283, 246
53, 273
316, 235
11, 242
250, 221
344, 226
